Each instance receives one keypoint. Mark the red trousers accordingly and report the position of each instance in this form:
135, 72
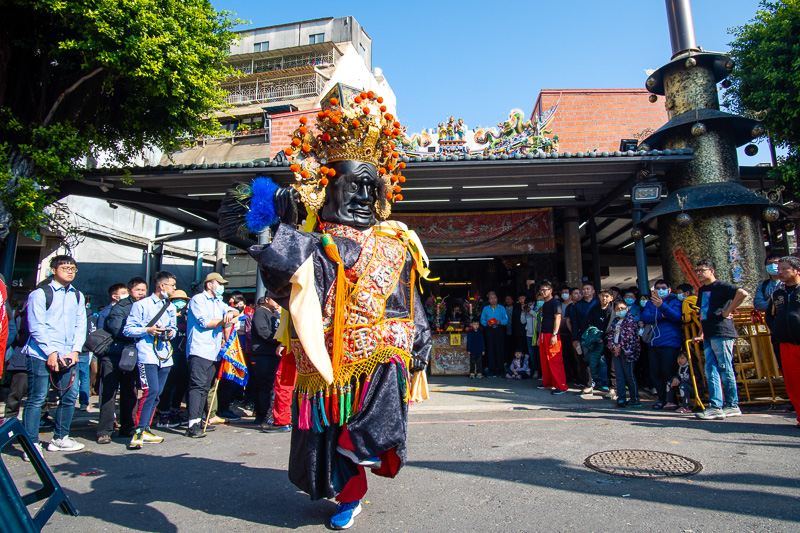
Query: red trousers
552, 363
282, 404
790, 357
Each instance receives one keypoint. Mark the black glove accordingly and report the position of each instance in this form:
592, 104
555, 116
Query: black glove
418, 364
286, 200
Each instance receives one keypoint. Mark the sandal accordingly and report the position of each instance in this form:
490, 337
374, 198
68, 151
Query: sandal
658, 405
684, 410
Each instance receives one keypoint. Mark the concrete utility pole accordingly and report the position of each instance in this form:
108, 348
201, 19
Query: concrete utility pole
708, 213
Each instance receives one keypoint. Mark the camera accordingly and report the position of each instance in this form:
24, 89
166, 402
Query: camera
64, 365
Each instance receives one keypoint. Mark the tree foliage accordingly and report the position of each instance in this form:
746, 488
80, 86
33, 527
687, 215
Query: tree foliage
83, 77
766, 79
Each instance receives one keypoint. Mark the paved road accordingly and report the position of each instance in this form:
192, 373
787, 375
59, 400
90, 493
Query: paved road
504, 457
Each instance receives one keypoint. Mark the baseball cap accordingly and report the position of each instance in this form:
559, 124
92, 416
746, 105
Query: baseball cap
215, 276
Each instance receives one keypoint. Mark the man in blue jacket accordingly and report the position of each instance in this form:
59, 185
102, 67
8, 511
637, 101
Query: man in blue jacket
664, 312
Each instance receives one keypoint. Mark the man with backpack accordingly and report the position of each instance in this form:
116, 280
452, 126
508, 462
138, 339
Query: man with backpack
583, 314
56, 321
111, 377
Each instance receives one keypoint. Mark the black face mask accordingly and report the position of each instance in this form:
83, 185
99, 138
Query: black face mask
350, 196
240, 307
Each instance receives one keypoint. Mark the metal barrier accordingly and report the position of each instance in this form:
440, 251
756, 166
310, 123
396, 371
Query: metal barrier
758, 378
14, 515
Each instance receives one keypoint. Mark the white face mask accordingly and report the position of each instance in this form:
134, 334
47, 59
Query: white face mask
565, 296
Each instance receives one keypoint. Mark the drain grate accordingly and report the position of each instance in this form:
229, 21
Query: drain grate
642, 463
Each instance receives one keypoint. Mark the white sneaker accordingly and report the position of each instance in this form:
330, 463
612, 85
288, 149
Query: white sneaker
39, 449
731, 411
67, 444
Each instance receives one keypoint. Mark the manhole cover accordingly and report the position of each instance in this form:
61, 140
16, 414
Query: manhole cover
642, 463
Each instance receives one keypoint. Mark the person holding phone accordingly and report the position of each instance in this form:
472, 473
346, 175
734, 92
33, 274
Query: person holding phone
57, 325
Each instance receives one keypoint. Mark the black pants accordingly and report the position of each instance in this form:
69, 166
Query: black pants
201, 376
495, 338
584, 372
226, 392
263, 369
570, 362
776, 348
18, 388
176, 386
663, 365
475, 363
112, 378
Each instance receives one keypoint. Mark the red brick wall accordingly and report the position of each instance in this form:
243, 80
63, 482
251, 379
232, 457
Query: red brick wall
284, 125
598, 118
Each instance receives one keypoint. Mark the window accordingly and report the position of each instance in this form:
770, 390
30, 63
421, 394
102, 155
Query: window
362, 51
316, 38
261, 47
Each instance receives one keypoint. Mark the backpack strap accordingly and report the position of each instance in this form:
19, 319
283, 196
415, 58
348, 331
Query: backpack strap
48, 295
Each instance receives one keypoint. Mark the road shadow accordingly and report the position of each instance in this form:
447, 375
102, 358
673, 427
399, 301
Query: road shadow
743, 496
126, 489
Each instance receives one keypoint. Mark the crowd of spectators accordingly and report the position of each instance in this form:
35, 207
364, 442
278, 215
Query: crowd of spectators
157, 352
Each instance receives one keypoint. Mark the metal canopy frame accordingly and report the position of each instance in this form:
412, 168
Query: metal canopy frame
190, 196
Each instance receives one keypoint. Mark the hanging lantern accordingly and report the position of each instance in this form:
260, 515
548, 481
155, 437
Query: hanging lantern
758, 130
691, 62
683, 219
788, 225
771, 214
699, 129
653, 98
651, 81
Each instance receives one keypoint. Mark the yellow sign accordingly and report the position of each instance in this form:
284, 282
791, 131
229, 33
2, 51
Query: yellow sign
455, 339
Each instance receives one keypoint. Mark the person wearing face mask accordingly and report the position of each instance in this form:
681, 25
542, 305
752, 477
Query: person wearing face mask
629, 297
623, 342
169, 403
764, 293
532, 318
567, 351
665, 312
208, 315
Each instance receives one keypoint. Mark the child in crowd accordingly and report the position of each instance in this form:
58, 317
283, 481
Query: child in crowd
623, 342
679, 390
519, 367
476, 349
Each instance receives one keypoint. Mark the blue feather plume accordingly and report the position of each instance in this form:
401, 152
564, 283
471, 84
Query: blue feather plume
262, 205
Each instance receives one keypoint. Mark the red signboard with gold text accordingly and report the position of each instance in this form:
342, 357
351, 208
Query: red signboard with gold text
483, 233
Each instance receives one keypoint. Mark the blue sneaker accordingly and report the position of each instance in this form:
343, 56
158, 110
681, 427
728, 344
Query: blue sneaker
345, 514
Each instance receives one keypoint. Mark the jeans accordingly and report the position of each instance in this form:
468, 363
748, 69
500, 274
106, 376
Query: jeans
152, 380
38, 386
84, 381
533, 354
663, 365
593, 353
719, 372
625, 379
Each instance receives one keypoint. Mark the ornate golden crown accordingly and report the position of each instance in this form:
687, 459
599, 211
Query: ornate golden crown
352, 125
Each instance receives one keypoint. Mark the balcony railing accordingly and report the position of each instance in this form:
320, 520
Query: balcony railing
274, 90
269, 64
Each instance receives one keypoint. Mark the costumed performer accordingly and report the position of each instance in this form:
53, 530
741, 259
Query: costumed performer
358, 325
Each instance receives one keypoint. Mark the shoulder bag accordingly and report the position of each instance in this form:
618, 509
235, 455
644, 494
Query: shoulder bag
130, 356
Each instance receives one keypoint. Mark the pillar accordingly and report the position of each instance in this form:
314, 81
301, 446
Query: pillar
572, 247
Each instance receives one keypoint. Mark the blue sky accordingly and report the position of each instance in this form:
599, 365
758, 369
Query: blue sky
476, 60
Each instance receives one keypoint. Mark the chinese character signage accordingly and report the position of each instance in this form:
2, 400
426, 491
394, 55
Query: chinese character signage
483, 233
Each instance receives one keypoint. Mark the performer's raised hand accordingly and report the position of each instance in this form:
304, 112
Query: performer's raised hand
286, 200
